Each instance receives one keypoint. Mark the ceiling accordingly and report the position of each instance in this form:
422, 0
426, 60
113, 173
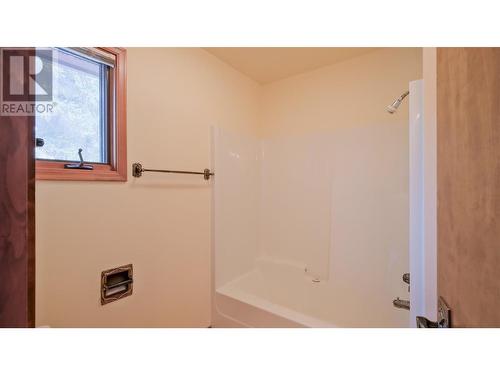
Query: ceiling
268, 64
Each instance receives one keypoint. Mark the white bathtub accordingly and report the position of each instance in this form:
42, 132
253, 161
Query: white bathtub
283, 295
259, 299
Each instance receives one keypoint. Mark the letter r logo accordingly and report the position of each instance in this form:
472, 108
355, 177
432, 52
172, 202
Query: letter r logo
26, 75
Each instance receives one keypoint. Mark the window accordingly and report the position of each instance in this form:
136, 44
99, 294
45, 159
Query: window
88, 116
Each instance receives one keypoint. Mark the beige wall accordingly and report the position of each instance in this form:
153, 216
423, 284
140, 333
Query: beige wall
351, 93
160, 223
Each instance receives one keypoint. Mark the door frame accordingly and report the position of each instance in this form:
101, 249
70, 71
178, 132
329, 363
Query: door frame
17, 206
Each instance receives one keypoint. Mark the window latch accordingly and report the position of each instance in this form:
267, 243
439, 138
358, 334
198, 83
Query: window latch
80, 165
39, 142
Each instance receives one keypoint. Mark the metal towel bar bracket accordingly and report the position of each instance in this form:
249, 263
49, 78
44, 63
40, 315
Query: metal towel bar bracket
138, 170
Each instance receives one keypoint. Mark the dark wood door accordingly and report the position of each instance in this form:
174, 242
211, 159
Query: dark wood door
468, 163
17, 220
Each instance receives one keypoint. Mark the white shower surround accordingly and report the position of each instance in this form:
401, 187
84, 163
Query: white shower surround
311, 230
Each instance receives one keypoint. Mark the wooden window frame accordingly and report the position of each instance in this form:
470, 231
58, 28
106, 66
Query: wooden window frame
116, 168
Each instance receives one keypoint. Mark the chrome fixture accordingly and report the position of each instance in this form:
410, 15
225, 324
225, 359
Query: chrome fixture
401, 303
138, 169
406, 279
443, 317
394, 106
314, 279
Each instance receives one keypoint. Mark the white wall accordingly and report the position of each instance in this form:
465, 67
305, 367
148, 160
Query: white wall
335, 171
416, 240
369, 251
295, 215
236, 204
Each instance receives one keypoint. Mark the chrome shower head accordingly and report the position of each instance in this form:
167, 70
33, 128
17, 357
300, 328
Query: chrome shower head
394, 106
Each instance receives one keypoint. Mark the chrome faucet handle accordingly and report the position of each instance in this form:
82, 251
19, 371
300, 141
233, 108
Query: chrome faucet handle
401, 303
406, 279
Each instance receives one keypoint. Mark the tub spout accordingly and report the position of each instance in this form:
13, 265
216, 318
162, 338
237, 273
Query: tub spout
401, 304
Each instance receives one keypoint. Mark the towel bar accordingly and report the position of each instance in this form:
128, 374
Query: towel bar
138, 169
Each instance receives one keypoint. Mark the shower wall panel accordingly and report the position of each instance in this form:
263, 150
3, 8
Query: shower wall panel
370, 220
236, 204
296, 202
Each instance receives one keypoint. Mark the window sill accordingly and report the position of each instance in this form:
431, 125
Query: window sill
47, 170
